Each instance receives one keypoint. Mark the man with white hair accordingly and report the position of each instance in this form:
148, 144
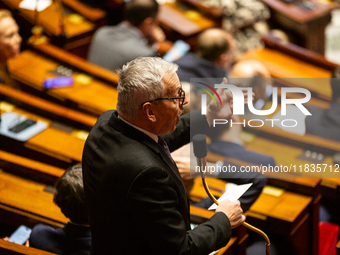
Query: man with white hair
136, 196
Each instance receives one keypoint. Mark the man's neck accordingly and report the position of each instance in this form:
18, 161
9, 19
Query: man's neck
139, 126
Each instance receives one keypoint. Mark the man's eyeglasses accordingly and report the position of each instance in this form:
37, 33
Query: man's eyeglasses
181, 96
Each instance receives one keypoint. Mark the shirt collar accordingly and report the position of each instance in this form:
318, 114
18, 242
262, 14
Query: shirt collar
152, 135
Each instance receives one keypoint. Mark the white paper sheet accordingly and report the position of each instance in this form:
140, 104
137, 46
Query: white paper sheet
9, 118
32, 4
233, 192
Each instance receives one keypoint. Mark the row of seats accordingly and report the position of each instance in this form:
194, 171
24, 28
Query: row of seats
76, 153
93, 93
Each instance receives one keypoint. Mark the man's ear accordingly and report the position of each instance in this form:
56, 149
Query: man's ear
223, 61
148, 21
148, 112
257, 90
145, 26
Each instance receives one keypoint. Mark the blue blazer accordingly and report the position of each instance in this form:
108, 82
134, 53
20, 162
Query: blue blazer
191, 66
69, 240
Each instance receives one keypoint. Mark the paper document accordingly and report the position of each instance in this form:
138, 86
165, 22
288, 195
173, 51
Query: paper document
9, 119
32, 4
233, 192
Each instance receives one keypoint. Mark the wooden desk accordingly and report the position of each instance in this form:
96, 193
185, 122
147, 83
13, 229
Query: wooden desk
47, 109
8, 248
287, 215
25, 201
78, 34
309, 25
286, 60
44, 173
95, 15
63, 57
331, 188
31, 68
306, 141
217, 188
285, 154
182, 21
54, 145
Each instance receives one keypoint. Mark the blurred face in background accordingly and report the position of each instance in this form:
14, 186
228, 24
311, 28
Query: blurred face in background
10, 40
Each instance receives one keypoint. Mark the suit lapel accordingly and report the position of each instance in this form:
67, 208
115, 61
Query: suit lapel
171, 165
148, 141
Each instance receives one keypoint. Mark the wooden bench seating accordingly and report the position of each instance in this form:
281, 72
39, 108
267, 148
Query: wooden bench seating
306, 141
286, 61
47, 109
305, 185
56, 145
183, 21
39, 171
282, 212
87, 94
24, 201
8, 248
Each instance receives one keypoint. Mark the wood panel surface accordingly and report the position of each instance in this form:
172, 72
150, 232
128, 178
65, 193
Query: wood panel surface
29, 198
8, 248
94, 97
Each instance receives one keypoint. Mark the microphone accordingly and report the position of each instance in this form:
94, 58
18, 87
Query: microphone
200, 146
200, 152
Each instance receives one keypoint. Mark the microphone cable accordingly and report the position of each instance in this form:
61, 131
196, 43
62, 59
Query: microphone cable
200, 151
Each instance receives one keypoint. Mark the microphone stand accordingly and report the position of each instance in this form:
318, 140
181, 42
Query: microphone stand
202, 163
62, 36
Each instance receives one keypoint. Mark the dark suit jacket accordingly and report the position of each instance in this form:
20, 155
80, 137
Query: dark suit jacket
324, 122
238, 152
191, 66
69, 240
137, 200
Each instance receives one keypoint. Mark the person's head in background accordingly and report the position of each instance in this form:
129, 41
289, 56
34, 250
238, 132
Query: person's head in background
70, 196
142, 14
10, 40
245, 73
217, 46
257, 76
335, 85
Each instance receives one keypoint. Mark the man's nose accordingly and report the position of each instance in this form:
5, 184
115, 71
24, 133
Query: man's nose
186, 100
18, 38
